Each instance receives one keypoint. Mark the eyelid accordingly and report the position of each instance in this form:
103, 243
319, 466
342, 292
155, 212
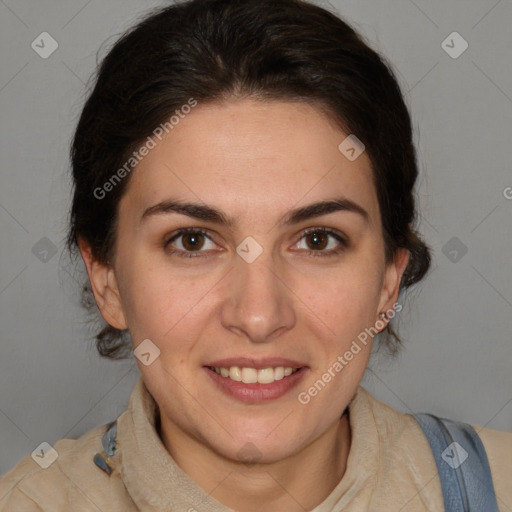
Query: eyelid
184, 231
339, 236
329, 231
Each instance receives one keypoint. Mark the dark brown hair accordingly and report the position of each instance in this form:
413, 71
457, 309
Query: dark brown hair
211, 50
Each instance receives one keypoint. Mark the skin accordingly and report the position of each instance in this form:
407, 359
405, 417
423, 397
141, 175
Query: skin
255, 161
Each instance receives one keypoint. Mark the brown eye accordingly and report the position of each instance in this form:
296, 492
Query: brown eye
323, 242
188, 241
192, 241
318, 240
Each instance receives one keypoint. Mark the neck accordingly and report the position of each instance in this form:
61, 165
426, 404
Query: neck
299, 483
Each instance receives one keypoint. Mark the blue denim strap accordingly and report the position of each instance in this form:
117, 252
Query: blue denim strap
462, 464
108, 441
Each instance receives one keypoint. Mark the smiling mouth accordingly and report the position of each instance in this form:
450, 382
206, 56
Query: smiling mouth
248, 375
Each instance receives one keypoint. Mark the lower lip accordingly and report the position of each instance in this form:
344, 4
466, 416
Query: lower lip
255, 393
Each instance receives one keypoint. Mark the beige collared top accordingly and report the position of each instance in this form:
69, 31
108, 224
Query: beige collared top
390, 468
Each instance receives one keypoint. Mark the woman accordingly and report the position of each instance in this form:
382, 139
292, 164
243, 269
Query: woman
243, 204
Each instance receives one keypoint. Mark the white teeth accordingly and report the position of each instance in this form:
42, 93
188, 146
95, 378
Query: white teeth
252, 376
235, 374
265, 375
249, 375
278, 373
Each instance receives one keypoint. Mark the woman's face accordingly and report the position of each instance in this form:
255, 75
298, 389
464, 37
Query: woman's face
248, 286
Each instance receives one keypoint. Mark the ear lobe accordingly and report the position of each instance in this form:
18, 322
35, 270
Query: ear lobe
393, 276
104, 287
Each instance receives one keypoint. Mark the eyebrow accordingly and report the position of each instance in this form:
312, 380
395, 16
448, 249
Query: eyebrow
211, 214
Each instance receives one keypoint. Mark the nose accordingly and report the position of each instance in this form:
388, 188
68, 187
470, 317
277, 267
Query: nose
258, 303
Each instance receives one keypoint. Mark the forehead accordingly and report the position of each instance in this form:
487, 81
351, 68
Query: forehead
251, 156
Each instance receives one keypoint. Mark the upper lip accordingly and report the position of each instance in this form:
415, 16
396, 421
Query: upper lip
258, 364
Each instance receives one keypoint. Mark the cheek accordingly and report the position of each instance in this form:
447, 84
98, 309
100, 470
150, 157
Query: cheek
346, 298
163, 306
148, 297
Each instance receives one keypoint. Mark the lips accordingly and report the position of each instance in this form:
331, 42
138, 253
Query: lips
256, 392
253, 380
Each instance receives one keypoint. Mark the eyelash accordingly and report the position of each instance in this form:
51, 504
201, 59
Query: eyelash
312, 253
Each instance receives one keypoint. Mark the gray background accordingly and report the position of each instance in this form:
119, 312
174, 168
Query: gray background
456, 324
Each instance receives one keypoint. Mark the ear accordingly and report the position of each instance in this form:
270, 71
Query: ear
104, 287
392, 277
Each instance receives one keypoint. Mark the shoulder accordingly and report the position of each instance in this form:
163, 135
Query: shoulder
72, 478
498, 446
393, 427
401, 468
405, 448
